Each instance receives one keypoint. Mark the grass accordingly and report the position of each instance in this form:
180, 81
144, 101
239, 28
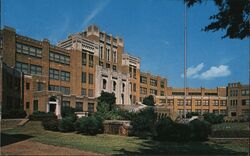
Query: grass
231, 126
121, 145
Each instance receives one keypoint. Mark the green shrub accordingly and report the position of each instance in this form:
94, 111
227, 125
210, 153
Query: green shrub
12, 114
181, 132
149, 100
88, 125
168, 130
213, 119
68, 111
66, 124
144, 121
199, 130
50, 124
39, 116
164, 128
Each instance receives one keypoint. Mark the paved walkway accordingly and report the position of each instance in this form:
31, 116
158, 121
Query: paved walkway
28, 147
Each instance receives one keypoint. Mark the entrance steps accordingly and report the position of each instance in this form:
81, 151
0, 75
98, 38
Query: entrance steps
22, 122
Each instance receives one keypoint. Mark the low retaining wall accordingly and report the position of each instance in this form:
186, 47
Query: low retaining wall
118, 127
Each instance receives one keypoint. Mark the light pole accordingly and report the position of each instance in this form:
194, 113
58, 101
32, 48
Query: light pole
59, 77
185, 57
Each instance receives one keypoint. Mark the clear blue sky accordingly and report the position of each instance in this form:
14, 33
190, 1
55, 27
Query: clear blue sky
152, 30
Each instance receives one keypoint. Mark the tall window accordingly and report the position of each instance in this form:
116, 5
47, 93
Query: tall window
180, 102
134, 87
114, 86
205, 103
90, 92
91, 78
123, 87
39, 86
91, 107
101, 52
35, 105
162, 84
84, 91
216, 102
35, 69
79, 106
27, 105
143, 90
108, 54
65, 104
143, 79
198, 102
27, 86
23, 67
114, 57
54, 74
104, 83
84, 59
134, 72
83, 77
153, 82
91, 60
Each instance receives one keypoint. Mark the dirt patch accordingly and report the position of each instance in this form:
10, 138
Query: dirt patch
28, 147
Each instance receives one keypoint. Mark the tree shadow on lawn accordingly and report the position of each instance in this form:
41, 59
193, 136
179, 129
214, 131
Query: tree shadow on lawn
7, 139
150, 147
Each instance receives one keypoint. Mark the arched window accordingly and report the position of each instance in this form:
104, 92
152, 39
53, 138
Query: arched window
122, 98
123, 87
104, 84
114, 85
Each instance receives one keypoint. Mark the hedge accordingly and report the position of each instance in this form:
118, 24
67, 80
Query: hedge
39, 116
13, 114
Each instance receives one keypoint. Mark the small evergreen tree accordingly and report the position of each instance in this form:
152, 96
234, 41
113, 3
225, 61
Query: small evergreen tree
149, 100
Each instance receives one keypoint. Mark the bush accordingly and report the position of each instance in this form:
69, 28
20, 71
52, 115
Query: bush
213, 119
66, 124
199, 130
168, 130
164, 128
39, 116
149, 100
144, 121
68, 111
50, 124
12, 114
88, 125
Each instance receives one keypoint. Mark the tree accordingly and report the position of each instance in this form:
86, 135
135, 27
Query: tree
233, 17
107, 99
149, 100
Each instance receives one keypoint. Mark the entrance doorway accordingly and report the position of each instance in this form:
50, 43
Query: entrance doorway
52, 107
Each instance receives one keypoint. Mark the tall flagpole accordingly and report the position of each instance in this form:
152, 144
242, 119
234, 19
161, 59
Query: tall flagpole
185, 57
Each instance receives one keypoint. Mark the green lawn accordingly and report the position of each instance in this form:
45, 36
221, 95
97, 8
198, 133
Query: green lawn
120, 145
231, 126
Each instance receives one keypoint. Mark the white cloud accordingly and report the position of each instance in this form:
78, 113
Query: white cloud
213, 72
94, 13
192, 72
